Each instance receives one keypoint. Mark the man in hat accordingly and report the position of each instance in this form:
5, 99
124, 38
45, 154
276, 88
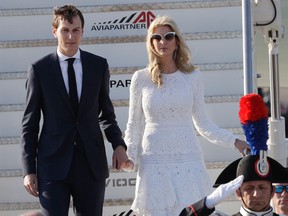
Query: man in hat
207, 205
259, 170
251, 178
280, 198
216, 197
255, 192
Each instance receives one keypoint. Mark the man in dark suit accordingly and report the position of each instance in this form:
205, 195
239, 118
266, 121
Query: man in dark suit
68, 157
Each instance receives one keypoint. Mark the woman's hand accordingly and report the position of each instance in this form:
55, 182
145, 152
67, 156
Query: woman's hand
128, 165
242, 147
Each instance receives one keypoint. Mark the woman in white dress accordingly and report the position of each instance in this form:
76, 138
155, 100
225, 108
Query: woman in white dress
166, 102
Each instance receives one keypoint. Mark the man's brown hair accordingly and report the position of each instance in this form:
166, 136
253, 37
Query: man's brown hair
66, 12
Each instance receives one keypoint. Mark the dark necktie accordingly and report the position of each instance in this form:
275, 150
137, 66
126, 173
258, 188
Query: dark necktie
73, 95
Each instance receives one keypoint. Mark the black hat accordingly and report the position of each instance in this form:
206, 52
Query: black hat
253, 169
285, 178
257, 166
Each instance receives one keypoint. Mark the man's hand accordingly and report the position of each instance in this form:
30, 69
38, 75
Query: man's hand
223, 192
31, 184
128, 166
119, 158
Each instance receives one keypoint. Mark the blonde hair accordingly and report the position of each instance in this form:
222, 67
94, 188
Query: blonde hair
181, 55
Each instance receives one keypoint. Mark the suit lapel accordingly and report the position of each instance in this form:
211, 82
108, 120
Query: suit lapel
85, 81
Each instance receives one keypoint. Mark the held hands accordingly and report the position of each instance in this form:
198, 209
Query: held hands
223, 192
128, 166
119, 158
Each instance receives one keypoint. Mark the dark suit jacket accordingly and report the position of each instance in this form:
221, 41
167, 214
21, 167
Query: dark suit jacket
53, 147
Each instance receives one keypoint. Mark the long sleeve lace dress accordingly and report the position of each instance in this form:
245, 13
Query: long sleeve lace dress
162, 141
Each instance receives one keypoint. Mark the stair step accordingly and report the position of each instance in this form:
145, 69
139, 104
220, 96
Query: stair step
45, 9
118, 39
125, 102
110, 207
10, 151
115, 202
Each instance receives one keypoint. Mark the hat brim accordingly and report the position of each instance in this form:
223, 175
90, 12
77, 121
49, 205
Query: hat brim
228, 174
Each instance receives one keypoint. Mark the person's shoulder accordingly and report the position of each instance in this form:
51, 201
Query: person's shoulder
44, 59
140, 77
195, 72
141, 73
44, 62
195, 75
90, 55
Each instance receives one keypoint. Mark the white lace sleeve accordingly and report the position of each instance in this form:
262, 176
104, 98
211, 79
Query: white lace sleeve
203, 124
135, 124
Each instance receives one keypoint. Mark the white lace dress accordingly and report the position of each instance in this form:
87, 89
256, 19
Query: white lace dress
161, 139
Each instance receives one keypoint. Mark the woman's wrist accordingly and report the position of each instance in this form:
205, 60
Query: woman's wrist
129, 165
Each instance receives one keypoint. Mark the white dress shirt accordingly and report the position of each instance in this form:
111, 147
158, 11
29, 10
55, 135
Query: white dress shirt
77, 68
